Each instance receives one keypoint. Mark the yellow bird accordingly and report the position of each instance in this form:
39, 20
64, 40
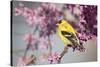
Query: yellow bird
67, 33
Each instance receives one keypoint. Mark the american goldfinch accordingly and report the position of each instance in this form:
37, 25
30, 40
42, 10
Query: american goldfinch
67, 33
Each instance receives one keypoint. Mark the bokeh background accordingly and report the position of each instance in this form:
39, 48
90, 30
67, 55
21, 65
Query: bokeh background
20, 28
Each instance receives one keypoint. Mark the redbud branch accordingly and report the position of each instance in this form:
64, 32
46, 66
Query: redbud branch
28, 45
36, 28
27, 48
31, 61
63, 53
50, 45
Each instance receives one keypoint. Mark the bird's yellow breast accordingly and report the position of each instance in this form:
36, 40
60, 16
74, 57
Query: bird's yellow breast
65, 26
65, 40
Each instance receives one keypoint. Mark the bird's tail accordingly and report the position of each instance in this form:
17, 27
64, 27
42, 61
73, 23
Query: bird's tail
77, 45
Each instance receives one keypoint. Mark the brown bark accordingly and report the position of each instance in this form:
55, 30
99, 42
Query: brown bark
63, 53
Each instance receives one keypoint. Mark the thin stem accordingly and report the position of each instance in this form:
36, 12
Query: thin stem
28, 45
63, 53
27, 48
36, 28
50, 45
31, 60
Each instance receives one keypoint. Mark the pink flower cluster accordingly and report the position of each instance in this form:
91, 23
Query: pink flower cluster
54, 57
27, 13
45, 17
85, 37
36, 16
32, 40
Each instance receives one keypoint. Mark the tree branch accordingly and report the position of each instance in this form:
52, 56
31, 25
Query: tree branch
50, 45
63, 53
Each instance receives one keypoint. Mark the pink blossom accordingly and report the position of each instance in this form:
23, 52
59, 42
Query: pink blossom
54, 57
42, 43
28, 12
84, 37
50, 60
29, 21
29, 38
34, 21
80, 35
18, 11
41, 21
30, 16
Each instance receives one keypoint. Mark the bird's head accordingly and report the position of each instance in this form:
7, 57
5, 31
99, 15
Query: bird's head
59, 22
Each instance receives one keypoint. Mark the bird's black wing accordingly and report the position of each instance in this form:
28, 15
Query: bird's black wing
69, 36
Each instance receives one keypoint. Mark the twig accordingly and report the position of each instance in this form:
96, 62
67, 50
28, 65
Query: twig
50, 45
28, 45
63, 53
36, 28
27, 48
32, 60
